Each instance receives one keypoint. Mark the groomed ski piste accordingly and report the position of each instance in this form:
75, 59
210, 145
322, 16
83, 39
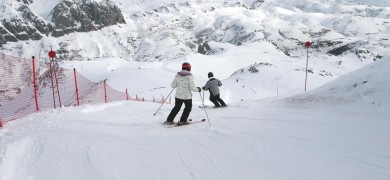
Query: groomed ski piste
337, 131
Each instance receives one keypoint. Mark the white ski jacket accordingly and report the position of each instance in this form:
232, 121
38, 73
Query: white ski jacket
184, 83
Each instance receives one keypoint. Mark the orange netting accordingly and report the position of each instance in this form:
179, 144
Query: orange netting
54, 87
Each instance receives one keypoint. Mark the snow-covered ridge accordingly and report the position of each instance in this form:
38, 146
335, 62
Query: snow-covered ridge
369, 85
173, 29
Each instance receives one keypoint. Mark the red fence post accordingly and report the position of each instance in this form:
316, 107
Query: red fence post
127, 95
77, 90
307, 44
52, 85
55, 76
35, 86
105, 92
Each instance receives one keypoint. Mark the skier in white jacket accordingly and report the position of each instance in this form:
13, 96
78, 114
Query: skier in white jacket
184, 83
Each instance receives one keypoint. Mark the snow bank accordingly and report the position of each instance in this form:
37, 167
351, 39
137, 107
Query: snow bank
369, 84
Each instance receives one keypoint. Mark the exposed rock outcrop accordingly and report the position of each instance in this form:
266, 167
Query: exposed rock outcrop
67, 17
87, 16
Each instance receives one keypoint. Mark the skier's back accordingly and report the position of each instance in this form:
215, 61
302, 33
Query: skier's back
184, 83
213, 86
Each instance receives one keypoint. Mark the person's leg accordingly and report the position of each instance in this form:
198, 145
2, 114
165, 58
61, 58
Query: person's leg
214, 101
175, 110
187, 110
218, 98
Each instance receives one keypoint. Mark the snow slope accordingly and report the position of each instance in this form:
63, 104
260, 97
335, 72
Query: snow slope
271, 129
339, 131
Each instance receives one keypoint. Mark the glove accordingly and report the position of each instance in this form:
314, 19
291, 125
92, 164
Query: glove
199, 89
203, 88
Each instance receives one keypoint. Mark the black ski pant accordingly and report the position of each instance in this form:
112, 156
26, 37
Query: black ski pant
187, 109
217, 100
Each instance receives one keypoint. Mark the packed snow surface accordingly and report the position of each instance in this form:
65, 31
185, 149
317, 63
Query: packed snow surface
337, 131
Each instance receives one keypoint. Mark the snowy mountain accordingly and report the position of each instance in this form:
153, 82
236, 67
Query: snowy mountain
272, 129
148, 31
346, 35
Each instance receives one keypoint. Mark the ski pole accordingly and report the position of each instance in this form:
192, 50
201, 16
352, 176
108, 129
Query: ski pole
164, 101
204, 108
203, 99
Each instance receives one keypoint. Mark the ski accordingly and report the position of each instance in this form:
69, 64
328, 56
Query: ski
213, 107
190, 121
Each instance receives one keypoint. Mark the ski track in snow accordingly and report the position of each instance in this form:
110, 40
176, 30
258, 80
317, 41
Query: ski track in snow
206, 158
235, 146
182, 160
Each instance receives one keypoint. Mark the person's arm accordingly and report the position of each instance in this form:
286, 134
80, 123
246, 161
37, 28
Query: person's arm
174, 83
207, 86
192, 85
219, 83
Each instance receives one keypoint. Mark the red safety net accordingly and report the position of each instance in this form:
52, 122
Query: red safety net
16, 88
55, 87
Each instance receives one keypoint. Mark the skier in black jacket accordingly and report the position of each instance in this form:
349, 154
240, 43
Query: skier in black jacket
213, 85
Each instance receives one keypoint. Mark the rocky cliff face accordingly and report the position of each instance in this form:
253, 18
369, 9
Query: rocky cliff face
67, 17
26, 1
87, 16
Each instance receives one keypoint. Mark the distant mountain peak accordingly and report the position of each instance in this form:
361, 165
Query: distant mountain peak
67, 17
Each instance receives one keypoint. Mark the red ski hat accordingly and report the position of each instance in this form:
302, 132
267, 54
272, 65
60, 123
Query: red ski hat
186, 66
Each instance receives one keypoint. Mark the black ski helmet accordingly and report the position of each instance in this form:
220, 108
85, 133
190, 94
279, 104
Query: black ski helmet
210, 75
